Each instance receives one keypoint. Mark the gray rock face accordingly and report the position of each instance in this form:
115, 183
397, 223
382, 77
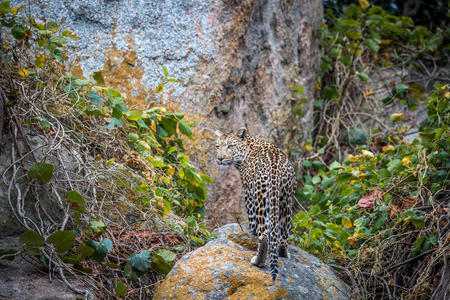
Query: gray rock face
221, 270
236, 61
20, 279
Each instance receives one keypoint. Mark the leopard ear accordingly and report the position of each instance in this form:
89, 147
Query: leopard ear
241, 133
218, 133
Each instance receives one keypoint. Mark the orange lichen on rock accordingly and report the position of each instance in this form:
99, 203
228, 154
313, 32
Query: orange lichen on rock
121, 71
203, 274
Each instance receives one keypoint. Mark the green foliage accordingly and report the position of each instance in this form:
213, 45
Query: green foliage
62, 240
33, 241
42, 172
163, 260
170, 184
375, 192
100, 248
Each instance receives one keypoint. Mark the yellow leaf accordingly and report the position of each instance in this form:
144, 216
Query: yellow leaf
14, 10
159, 88
40, 61
171, 170
406, 161
369, 91
308, 147
352, 240
23, 73
404, 128
386, 42
352, 158
153, 126
347, 223
364, 4
110, 161
388, 147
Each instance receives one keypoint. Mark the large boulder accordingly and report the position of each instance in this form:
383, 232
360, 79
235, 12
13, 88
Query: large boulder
236, 61
221, 270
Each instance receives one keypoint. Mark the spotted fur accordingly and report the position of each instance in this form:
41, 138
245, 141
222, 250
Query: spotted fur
269, 184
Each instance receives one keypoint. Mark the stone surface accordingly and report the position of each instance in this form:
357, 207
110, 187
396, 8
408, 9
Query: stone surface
221, 270
236, 62
21, 280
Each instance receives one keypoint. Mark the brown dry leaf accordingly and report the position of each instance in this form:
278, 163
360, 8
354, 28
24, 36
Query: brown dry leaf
368, 201
408, 202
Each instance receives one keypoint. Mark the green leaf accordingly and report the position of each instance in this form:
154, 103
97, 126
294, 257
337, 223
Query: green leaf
349, 23
76, 200
63, 240
95, 111
121, 289
141, 123
318, 165
327, 182
417, 92
97, 226
118, 110
58, 40
133, 137
418, 221
134, 115
298, 88
101, 248
363, 76
163, 260
417, 245
4, 7
206, 178
85, 251
32, 239
372, 45
140, 261
430, 241
306, 163
52, 26
98, 77
166, 73
335, 165
190, 221
394, 165
316, 179
185, 129
81, 82
113, 122
380, 220
331, 92
170, 125
95, 98
401, 88
42, 172
344, 177
18, 32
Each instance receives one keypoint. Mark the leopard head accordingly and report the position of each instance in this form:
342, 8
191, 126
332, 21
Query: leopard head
232, 148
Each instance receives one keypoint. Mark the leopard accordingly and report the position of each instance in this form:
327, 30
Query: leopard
268, 190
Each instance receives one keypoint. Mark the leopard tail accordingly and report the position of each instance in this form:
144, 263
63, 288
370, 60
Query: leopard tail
274, 231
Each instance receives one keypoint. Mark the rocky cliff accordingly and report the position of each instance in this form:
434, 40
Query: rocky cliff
236, 62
